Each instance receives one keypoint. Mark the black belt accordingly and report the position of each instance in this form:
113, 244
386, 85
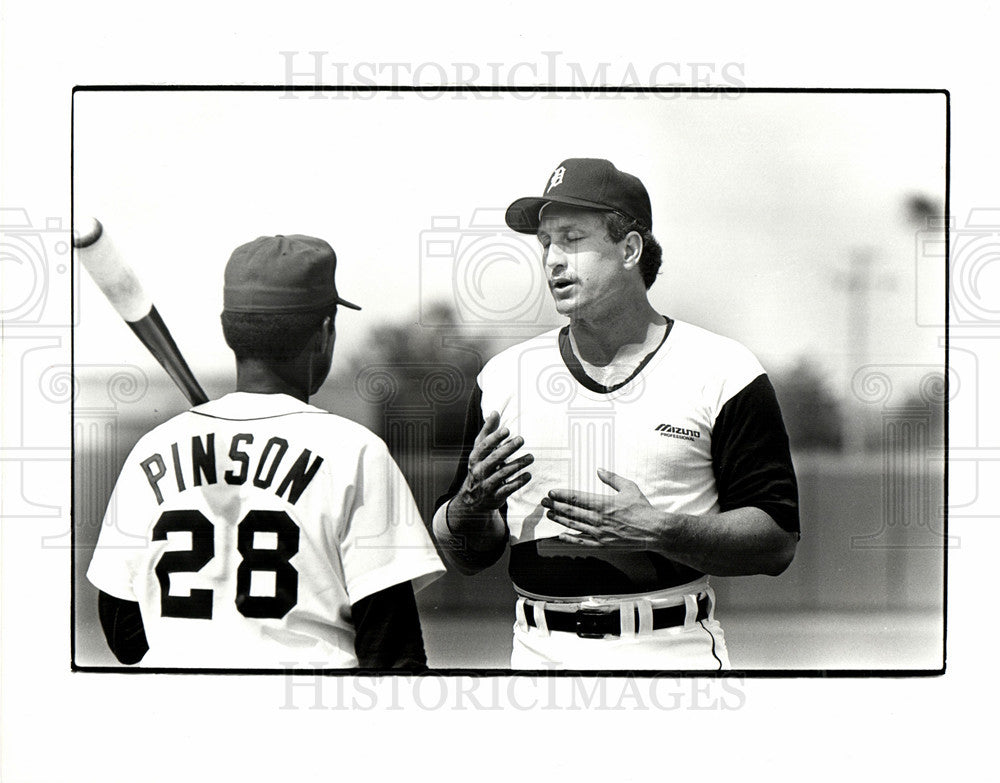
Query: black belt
598, 623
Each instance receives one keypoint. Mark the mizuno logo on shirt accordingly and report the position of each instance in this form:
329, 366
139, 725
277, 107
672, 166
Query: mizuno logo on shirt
670, 431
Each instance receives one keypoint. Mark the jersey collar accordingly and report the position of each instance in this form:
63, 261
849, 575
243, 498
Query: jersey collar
248, 405
577, 371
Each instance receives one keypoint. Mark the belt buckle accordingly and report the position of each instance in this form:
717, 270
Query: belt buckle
587, 623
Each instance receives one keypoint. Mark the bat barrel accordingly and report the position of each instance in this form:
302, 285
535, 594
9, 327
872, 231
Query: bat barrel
88, 233
99, 256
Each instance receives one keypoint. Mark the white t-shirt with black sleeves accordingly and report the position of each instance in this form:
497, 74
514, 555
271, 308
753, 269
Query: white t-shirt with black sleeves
696, 426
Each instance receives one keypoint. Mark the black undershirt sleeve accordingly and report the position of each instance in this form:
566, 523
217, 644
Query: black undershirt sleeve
474, 421
387, 630
473, 424
123, 628
751, 457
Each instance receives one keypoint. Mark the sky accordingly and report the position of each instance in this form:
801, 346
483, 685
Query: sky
760, 202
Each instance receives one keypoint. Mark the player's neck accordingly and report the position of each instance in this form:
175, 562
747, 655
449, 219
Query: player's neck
602, 340
259, 377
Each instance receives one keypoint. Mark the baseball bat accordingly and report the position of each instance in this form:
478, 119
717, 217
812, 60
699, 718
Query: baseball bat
119, 283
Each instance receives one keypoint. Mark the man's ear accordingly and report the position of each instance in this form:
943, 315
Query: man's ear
327, 334
632, 249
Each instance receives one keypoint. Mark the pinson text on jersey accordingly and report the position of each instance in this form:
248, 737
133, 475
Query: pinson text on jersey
262, 469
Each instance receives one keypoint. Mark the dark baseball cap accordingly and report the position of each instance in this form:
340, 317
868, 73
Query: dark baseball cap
590, 183
282, 274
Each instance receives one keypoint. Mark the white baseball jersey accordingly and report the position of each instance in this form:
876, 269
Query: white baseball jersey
246, 528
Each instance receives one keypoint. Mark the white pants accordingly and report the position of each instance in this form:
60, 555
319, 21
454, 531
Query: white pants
697, 645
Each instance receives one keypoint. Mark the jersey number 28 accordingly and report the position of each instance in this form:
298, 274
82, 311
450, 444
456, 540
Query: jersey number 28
198, 604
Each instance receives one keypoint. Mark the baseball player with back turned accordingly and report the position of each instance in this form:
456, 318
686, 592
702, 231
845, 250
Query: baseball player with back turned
625, 456
257, 531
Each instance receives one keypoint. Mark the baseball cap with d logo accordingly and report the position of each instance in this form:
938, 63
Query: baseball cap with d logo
590, 183
282, 274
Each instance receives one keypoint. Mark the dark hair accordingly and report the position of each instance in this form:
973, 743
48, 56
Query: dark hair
619, 226
270, 336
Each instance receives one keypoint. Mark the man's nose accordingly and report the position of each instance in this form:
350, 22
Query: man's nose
555, 258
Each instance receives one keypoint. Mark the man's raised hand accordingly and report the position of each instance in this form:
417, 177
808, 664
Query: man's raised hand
491, 479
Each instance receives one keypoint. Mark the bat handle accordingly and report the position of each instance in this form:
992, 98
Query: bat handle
153, 333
